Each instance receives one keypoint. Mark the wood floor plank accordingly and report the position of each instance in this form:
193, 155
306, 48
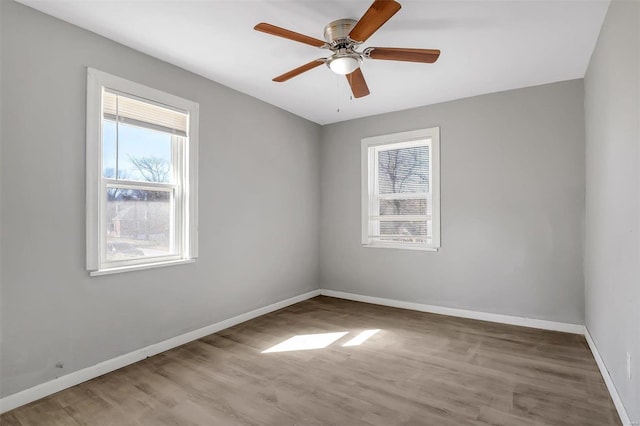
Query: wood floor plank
418, 369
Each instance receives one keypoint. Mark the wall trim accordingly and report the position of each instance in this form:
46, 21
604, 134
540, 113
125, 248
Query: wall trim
462, 313
615, 396
45, 389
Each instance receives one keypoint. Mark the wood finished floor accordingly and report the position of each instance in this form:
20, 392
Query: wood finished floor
419, 369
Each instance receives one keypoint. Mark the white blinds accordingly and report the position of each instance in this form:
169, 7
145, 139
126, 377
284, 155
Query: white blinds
144, 114
400, 201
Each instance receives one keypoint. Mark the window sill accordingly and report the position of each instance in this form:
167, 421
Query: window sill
393, 246
142, 267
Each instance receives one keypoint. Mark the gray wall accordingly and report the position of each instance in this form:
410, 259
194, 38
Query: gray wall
512, 203
259, 206
612, 238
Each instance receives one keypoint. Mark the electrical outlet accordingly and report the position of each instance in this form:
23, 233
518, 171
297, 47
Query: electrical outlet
629, 365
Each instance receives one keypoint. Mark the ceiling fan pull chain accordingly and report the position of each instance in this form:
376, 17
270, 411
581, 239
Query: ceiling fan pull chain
338, 93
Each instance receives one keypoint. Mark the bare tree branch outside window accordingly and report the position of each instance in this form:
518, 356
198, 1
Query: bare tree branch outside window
152, 168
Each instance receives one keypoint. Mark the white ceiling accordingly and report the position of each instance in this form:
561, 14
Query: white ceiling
487, 46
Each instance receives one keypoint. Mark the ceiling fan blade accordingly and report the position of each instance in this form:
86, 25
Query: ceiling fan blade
357, 83
291, 35
377, 14
306, 67
428, 56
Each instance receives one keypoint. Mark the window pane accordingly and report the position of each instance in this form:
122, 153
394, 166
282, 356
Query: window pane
403, 170
139, 224
108, 148
403, 207
404, 231
143, 154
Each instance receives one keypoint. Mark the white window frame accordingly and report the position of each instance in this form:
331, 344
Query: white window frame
369, 148
186, 178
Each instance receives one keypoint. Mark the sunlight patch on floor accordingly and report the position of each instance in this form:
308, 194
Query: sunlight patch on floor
361, 338
304, 342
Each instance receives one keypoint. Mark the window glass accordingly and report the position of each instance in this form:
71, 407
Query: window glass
404, 231
403, 170
109, 144
398, 207
138, 224
143, 154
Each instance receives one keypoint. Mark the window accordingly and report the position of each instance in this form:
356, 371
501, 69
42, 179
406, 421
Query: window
401, 190
142, 147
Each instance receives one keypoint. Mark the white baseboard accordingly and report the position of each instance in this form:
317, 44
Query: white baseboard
617, 401
40, 391
463, 313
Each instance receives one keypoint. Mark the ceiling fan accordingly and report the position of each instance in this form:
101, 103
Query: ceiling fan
343, 37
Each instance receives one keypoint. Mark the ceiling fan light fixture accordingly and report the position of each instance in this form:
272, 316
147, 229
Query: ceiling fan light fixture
343, 65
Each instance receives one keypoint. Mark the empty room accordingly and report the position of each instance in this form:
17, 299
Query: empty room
303, 212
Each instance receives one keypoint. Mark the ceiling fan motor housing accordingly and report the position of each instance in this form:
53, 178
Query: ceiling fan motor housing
337, 32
